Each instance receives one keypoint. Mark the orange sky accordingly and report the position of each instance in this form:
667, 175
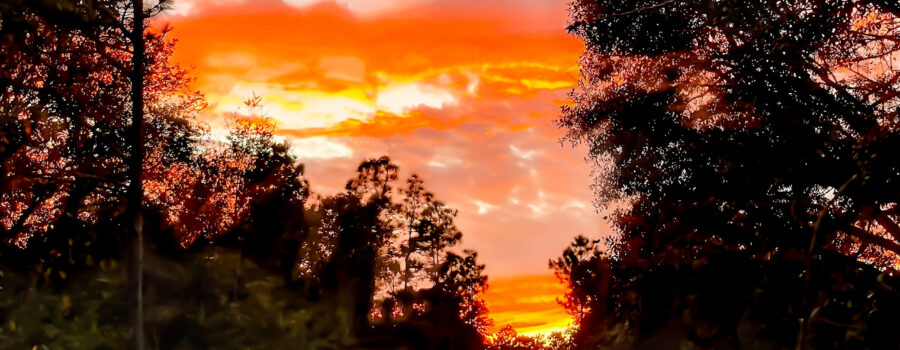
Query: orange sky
461, 92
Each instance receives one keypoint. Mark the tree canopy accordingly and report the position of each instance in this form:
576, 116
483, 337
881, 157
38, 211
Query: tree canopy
235, 241
745, 156
745, 151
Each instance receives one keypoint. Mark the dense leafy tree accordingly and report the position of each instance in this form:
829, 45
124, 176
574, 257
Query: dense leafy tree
212, 190
78, 80
65, 154
359, 232
98, 143
746, 149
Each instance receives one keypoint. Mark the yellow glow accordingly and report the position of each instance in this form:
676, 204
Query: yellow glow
546, 85
400, 98
299, 109
528, 304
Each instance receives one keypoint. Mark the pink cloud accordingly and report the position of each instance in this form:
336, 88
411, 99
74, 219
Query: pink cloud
476, 84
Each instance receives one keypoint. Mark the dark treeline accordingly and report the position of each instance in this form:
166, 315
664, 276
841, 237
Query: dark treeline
237, 252
745, 155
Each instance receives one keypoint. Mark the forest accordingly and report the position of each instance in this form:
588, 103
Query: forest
744, 153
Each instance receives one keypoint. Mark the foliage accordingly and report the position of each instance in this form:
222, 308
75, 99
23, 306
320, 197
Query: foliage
64, 99
585, 271
746, 149
507, 339
461, 280
211, 298
417, 257
240, 253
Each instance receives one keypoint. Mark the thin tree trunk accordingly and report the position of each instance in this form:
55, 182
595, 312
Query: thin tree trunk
135, 191
406, 276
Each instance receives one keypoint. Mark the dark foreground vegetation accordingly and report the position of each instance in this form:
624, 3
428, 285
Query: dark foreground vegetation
375, 266
746, 157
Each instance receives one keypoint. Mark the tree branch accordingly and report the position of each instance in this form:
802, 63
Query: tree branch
875, 239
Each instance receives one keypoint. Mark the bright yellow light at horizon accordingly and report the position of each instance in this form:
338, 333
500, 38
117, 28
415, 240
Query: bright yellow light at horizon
528, 304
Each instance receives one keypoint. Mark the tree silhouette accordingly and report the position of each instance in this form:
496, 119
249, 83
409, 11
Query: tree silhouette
360, 233
413, 260
65, 156
585, 271
745, 148
415, 202
399, 266
68, 71
100, 149
462, 279
508, 339
438, 234
209, 193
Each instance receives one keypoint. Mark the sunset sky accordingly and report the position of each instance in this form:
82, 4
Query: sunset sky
461, 92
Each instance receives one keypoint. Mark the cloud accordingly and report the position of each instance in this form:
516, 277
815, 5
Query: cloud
348, 68
483, 208
543, 14
523, 154
381, 125
297, 108
319, 148
462, 93
400, 98
367, 7
231, 60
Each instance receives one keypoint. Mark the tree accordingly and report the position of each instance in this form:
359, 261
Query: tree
366, 252
97, 135
450, 315
357, 219
742, 144
585, 271
415, 200
462, 280
438, 234
63, 111
412, 260
399, 266
52, 90
508, 339
78, 68
209, 193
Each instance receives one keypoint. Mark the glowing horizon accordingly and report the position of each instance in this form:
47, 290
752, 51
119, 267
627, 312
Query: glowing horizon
462, 93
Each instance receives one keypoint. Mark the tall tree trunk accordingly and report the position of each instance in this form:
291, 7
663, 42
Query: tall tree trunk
409, 248
135, 191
